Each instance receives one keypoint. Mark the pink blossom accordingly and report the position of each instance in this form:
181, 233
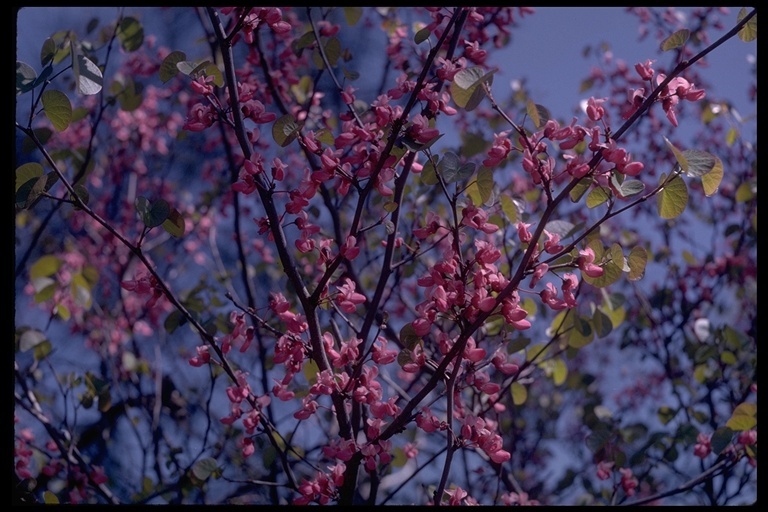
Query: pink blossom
203, 356
456, 496
499, 150
748, 437
199, 118
522, 499
644, 69
585, 262
308, 408
604, 469
523, 233
595, 110
703, 446
628, 481
347, 298
421, 131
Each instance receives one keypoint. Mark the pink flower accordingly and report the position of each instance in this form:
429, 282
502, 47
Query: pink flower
703, 446
248, 447
347, 298
456, 496
628, 482
202, 357
200, 117
595, 110
604, 469
420, 130
523, 233
499, 151
585, 263
748, 437
350, 250
478, 219
644, 69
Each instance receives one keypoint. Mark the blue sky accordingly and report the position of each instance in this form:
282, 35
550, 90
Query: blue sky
546, 48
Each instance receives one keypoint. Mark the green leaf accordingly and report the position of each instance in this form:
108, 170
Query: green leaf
598, 196
175, 224
88, 77
82, 193
214, 71
676, 40
519, 393
617, 257
173, 321
27, 172
428, 175
637, 260
191, 68
665, 414
598, 438
632, 187
673, 198
204, 468
581, 334
91, 26
485, 183
511, 208
169, 67
127, 93
408, 337
42, 350
31, 191
472, 144
30, 338
63, 40
473, 192
743, 194
711, 181
152, 213
466, 89
601, 323
352, 15
744, 417
332, 50
80, 290
728, 358
559, 371
560, 227
25, 77
130, 33
350, 74
517, 344
47, 52
57, 108
578, 191
45, 289
679, 156
699, 162
539, 114
748, 32
285, 130
422, 35
452, 170
721, 439
44, 267
50, 499
308, 39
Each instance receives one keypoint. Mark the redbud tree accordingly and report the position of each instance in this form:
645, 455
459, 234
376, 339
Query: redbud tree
319, 256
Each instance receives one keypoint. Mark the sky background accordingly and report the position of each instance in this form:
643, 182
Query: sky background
546, 48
